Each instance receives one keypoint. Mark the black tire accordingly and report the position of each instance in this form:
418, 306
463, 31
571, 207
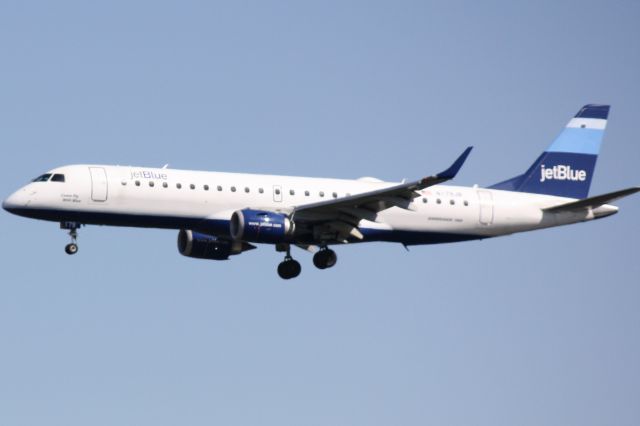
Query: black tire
319, 260
325, 259
332, 258
289, 269
71, 248
296, 268
282, 270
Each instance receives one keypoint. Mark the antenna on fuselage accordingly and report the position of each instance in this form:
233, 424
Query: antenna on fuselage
165, 166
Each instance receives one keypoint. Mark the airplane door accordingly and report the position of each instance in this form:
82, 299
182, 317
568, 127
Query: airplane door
99, 188
486, 207
277, 193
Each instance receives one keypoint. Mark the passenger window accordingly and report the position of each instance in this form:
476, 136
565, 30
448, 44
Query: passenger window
151, 183
260, 190
466, 203
335, 195
277, 191
42, 178
219, 188
233, 189
306, 193
292, 192
137, 183
192, 186
322, 193
57, 178
452, 202
206, 187
124, 183
164, 184
424, 200
178, 185
246, 189
438, 201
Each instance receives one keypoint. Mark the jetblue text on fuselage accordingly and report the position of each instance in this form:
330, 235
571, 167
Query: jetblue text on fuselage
147, 174
562, 172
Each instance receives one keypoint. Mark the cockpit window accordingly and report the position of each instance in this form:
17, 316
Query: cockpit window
57, 178
42, 178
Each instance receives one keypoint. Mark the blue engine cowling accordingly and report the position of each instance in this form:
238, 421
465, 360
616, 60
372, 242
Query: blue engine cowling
260, 226
205, 246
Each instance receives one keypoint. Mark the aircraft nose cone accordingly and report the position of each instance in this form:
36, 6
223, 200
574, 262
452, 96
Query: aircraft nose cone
8, 204
14, 201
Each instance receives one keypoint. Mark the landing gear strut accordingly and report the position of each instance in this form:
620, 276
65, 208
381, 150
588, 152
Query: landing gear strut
72, 247
325, 258
289, 268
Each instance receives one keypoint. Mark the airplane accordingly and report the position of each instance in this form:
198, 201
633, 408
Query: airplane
220, 215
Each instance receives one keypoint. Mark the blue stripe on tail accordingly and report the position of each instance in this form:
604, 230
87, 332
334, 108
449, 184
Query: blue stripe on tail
566, 168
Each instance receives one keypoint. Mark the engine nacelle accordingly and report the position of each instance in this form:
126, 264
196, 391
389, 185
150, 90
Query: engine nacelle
205, 246
260, 226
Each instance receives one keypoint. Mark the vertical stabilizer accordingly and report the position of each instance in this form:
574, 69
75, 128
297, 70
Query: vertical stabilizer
566, 168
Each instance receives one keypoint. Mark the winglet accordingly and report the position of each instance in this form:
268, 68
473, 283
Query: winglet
452, 171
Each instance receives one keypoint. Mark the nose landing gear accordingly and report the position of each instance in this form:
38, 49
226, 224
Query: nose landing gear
71, 248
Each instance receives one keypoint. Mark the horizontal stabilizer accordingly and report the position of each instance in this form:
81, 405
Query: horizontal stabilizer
593, 202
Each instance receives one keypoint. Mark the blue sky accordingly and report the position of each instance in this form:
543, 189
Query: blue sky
538, 328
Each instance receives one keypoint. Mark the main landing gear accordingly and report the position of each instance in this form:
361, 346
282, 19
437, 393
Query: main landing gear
325, 258
290, 268
72, 247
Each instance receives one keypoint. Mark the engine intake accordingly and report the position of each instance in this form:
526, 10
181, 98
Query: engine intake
205, 246
260, 226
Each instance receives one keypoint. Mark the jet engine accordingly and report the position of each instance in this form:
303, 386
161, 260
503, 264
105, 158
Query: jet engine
205, 246
260, 226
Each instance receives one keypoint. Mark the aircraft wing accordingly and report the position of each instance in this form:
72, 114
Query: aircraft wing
342, 215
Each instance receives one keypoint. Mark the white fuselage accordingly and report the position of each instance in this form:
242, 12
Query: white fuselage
184, 199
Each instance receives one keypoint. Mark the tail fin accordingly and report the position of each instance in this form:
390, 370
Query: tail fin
566, 167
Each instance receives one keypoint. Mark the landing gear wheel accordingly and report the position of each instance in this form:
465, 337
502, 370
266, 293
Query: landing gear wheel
325, 258
72, 227
289, 269
71, 248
